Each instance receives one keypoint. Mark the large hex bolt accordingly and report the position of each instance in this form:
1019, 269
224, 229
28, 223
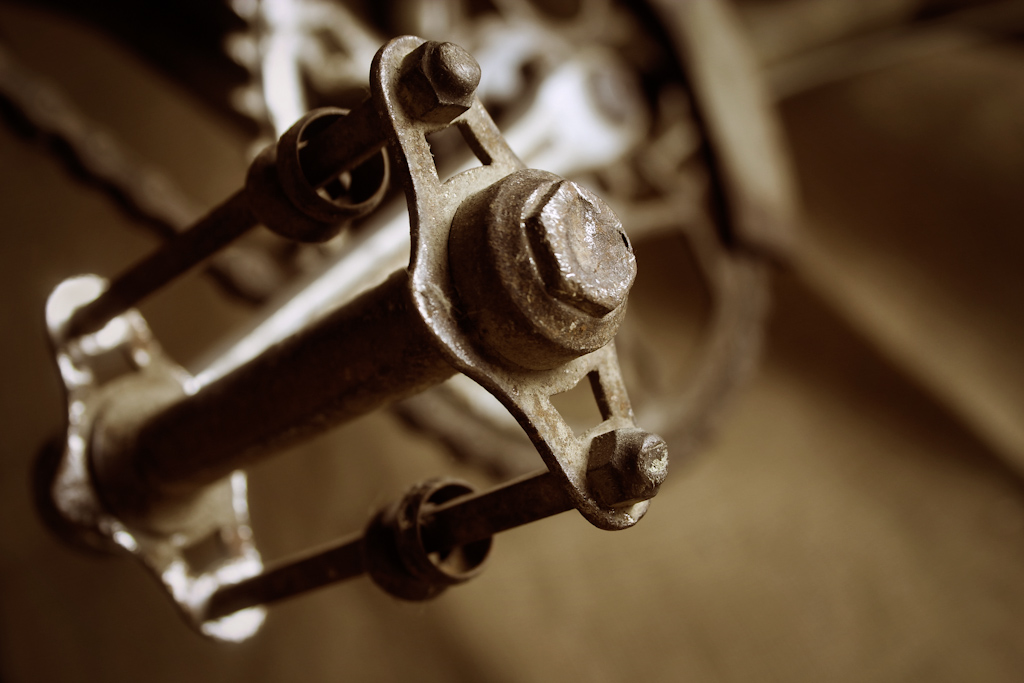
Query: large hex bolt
542, 267
626, 466
440, 82
582, 252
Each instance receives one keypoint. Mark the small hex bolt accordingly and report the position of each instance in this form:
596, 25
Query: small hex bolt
441, 84
582, 252
452, 71
626, 466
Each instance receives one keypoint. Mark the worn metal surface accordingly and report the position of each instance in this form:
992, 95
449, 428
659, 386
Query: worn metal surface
542, 268
160, 445
517, 278
413, 549
687, 176
363, 356
828, 536
553, 253
432, 208
584, 71
283, 180
626, 466
279, 190
592, 92
218, 513
439, 534
145, 453
295, 191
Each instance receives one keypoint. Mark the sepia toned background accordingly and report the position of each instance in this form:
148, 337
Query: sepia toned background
858, 514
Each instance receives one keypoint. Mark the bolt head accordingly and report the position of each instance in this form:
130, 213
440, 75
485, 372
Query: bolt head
442, 83
582, 252
453, 73
496, 266
626, 466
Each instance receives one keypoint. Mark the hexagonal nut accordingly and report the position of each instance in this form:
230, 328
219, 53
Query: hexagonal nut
626, 466
441, 84
582, 252
507, 304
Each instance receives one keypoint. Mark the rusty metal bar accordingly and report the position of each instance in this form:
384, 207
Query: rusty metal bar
214, 231
458, 522
368, 353
480, 516
153, 453
340, 147
319, 568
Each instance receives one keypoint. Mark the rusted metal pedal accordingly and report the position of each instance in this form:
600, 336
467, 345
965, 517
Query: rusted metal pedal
517, 279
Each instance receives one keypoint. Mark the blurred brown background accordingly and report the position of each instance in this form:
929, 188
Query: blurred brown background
859, 515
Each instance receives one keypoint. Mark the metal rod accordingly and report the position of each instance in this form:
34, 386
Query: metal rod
340, 147
207, 236
362, 356
458, 522
474, 518
316, 569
